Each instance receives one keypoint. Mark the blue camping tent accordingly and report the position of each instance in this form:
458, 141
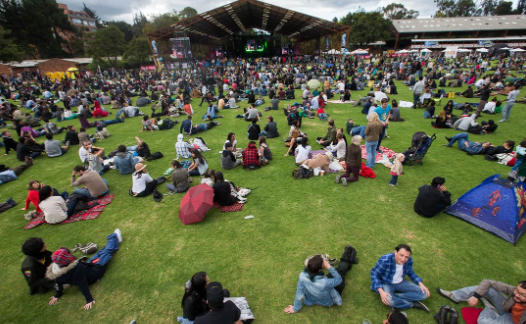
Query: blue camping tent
496, 205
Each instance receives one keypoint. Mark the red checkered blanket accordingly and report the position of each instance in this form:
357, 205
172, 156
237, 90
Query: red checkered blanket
91, 213
234, 208
379, 156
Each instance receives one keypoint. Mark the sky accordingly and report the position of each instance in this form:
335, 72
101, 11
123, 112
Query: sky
327, 9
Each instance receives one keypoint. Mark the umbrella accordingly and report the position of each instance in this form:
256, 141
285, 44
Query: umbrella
313, 84
71, 92
196, 203
72, 69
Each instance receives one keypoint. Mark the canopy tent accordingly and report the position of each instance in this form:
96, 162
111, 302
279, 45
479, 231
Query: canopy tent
426, 50
496, 205
482, 50
360, 52
506, 48
403, 52
515, 50
332, 52
463, 50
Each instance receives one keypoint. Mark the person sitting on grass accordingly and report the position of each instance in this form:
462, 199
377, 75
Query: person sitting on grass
330, 137
264, 150
271, 128
228, 159
33, 196
251, 156
194, 298
432, 199
353, 162
125, 161
464, 144
222, 194
53, 147
199, 165
94, 185
396, 317
293, 144
180, 178
54, 207
220, 311
9, 142
339, 149
34, 266
182, 148
23, 150
503, 303
9, 174
316, 288
253, 130
149, 124
66, 269
143, 184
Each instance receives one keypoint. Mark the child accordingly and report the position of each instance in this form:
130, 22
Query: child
396, 169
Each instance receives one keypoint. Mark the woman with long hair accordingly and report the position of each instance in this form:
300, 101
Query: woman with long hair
199, 166
143, 184
231, 138
194, 298
222, 190
372, 132
293, 142
441, 120
54, 207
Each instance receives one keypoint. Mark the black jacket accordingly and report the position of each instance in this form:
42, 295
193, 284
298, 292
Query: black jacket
72, 137
498, 150
22, 150
222, 194
194, 306
34, 272
10, 144
428, 198
76, 273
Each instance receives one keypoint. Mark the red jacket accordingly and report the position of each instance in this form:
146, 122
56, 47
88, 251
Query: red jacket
100, 113
33, 197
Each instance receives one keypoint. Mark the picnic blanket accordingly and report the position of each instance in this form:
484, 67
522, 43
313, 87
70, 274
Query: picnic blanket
234, 208
91, 213
341, 102
379, 156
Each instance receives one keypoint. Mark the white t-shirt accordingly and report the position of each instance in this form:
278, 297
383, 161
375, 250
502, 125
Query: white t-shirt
341, 86
490, 106
130, 111
398, 276
139, 184
303, 153
233, 144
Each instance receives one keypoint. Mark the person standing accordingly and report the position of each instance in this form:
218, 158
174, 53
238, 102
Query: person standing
384, 113
388, 280
484, 93
372, 132
418, 88
506, 110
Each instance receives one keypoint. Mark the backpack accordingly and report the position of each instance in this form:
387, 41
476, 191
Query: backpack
446, 311
302, 173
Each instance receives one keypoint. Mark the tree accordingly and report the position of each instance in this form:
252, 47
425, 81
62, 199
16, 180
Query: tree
398, 11
138, 50
161, 21
107, 43
487, 7
187, 12
367, 27
459, 8
504, 8
36, 24
8, 49
124, 27
139, 22
335, 20
521, 7
92, 14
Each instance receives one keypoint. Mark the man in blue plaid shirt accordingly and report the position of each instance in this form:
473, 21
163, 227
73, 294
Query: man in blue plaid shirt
388, 280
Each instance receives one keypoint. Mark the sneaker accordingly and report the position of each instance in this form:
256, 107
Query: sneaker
349, 255
502, 120
447, 145
337, 179
119, 235
421, 306
11, 202
448, 138
30, 215
488, 304
344, 182
392, 185
447, 294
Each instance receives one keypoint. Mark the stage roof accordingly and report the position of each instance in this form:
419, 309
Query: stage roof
460, 24
239, 16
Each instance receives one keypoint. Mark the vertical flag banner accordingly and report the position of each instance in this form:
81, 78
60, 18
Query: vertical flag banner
344, 38
326, 43
154, 46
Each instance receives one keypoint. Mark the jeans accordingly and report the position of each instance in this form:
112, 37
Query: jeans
85, 192
487, 316
359, 130
427, 114
394, 180
403, 294
112, 121
462, 138
416, 98
35, 154
382, 135
104, 256
131, 148
354, 170
370, 148
194, 172
171, 187
323, 117
506, 110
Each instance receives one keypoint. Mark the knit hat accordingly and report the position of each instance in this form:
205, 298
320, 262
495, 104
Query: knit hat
63, 257
215, 295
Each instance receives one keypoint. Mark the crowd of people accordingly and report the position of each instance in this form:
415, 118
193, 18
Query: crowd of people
223, 86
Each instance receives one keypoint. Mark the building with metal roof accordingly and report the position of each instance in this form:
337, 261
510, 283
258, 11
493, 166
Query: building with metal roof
461, 31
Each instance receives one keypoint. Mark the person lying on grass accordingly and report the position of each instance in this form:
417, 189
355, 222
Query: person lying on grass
67, 269
37, 259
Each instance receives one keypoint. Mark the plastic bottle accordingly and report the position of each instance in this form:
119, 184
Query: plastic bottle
249, 216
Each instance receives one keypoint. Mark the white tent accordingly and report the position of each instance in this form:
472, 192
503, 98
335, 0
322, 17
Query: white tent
332, 51
426, 50
403, 52
505, 48
482, 50
360, 52
517, 50
463, 50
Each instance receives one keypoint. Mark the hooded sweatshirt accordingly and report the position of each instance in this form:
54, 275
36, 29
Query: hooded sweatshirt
183, 148
465, 123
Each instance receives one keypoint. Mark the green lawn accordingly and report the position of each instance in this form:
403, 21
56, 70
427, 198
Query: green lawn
261, 258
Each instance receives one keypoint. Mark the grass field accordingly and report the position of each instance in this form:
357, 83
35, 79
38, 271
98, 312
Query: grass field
261, 258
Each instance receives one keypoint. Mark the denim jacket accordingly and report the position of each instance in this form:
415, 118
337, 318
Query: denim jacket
125, 165
319, 291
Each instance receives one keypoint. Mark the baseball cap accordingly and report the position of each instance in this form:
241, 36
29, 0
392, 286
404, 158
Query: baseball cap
215, 295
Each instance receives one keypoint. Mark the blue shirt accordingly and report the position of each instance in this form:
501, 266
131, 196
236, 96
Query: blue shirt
383, 113
473, 148
186, 125
384, 271
7, 176
319, 291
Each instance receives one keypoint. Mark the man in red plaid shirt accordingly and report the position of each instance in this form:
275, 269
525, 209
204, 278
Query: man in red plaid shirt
251, 156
